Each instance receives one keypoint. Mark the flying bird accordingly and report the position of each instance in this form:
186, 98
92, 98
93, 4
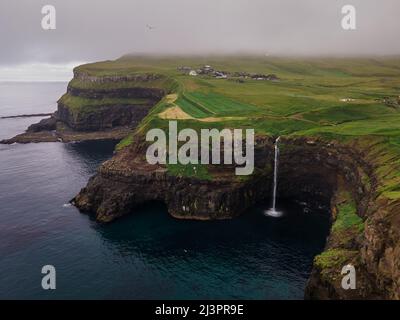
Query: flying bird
150, 27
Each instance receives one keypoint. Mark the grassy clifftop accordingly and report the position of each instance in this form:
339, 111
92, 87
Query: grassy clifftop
345, 97
341, 99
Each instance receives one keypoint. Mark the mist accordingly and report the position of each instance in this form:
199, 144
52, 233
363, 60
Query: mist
93, 30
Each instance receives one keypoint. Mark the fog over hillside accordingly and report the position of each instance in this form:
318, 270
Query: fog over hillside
96, 30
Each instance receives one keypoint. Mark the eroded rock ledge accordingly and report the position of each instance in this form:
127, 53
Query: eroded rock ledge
345, 174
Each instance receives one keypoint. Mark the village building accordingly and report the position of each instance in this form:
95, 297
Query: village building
220, 75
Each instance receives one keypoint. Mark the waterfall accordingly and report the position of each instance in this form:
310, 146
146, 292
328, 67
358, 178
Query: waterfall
272, 212
276, 165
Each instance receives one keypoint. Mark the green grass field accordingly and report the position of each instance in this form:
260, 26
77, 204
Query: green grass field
307, 100
341, 99
199, 104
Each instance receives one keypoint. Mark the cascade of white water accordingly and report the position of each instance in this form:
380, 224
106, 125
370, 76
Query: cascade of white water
276, 166
272, 212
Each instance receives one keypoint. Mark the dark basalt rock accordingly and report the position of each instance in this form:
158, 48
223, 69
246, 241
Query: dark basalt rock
105, 117
135, 92
83, 76
48, 124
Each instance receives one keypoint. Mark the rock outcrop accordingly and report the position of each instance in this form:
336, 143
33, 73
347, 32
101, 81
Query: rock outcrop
48, 124
97, 104
105, 117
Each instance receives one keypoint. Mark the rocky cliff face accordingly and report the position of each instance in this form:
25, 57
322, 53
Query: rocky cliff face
98, 107
153, 94
105, 117
131, 103
127, 181
84, 76
309, 169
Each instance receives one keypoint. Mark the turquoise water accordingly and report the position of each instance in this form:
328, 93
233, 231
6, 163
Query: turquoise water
147, 255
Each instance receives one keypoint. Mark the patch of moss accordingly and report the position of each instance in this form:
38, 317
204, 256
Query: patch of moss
333, 258
127, 141
366, 181
347, 218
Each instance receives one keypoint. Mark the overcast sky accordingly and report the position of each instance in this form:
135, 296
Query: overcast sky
91, 30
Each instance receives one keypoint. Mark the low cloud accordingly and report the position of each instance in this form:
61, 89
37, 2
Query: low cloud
95, 30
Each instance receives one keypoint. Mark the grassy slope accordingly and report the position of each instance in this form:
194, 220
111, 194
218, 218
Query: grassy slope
306, 100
